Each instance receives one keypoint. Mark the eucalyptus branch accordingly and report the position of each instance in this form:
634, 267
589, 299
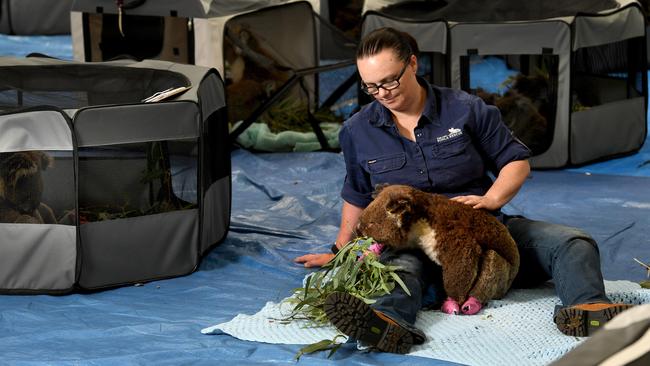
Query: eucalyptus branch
356, 270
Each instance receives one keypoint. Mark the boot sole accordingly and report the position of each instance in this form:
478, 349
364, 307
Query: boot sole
578, 322
354, 318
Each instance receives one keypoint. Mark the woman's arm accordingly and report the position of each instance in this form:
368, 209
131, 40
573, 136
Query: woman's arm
510, 179
349, 218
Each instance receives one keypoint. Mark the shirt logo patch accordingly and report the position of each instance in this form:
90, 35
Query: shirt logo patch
453, 132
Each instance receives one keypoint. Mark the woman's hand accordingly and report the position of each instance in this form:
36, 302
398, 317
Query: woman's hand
349, 218
505, 187
484, 202
314, 260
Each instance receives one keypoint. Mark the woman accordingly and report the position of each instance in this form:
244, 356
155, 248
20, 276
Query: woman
446, 141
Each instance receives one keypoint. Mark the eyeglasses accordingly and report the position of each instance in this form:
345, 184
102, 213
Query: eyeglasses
388, 85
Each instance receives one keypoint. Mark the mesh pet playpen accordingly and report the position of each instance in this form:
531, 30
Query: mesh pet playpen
268, 53
99, 188
576, 84
35, 17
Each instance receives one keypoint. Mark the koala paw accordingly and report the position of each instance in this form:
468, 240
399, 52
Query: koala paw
450, 306
471, 306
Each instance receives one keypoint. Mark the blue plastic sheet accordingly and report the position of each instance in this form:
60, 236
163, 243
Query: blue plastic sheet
284, 205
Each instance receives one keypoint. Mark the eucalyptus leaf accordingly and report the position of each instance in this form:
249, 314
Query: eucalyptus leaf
324, 345
400, 282
307, 284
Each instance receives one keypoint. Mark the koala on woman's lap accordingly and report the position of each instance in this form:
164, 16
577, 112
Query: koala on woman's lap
479, 258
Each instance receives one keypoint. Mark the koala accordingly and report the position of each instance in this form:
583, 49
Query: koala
522, 117
477, 255
21, 188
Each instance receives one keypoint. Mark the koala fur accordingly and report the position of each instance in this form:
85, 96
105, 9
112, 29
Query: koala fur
477, 255
21, 188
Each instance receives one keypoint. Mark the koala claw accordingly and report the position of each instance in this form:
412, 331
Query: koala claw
471, 306
450, 306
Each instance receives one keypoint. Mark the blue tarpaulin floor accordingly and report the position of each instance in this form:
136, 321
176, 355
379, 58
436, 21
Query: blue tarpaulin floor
285, 205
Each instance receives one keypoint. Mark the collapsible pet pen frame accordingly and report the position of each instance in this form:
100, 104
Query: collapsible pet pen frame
35, 17
577, 87
101, 186
267, 52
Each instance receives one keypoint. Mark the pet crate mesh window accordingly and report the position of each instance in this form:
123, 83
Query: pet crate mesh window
253, 69
76, 86
523, 87
281, 95
607, 73
258, 66
130, 180
141, 37
37, 187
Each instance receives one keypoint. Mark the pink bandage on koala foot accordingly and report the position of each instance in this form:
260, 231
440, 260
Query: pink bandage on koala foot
471, 306
450, 306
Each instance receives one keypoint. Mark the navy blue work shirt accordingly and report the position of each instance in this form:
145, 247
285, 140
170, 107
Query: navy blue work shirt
458, 140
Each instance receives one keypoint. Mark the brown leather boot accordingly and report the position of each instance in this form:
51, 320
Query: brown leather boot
356, 319
583, 320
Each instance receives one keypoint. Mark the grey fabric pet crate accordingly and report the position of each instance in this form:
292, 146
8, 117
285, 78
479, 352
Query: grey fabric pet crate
35, 17
268, 52
99, 188
587, 59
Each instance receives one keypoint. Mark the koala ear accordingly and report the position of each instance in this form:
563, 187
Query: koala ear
44, 160
398, 206
402, 209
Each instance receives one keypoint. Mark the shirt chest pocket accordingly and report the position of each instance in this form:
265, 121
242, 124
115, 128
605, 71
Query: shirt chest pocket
385, 164
450, 148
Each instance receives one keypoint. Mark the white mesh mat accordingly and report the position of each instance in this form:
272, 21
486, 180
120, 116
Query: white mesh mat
517, 330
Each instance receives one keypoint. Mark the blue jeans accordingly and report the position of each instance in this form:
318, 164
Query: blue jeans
548, 251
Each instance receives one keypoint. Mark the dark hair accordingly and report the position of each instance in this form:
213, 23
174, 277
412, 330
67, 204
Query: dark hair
380, 39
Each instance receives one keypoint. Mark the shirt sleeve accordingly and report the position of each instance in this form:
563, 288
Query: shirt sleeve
357, 189
495, 138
